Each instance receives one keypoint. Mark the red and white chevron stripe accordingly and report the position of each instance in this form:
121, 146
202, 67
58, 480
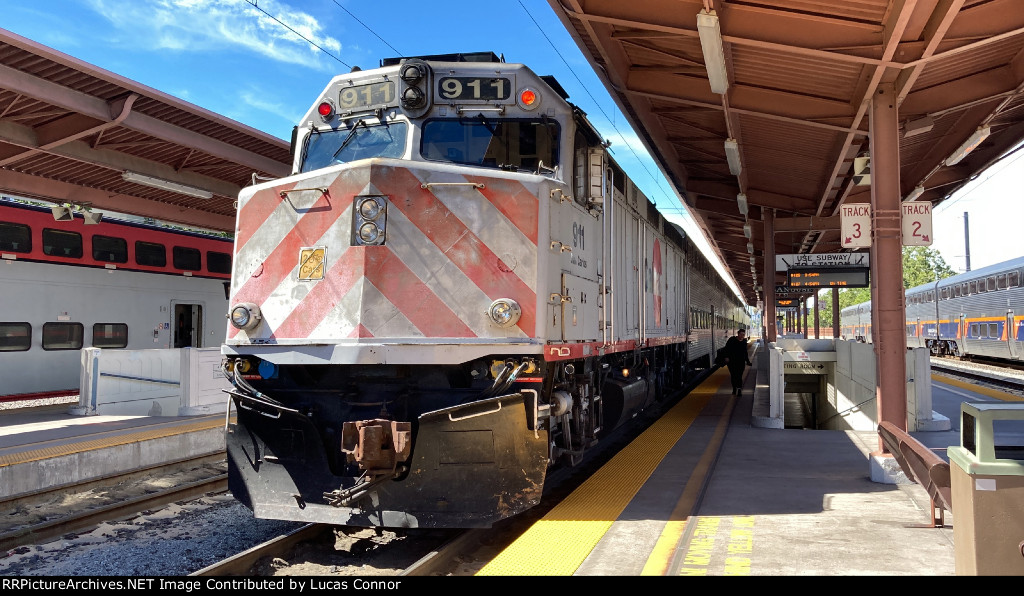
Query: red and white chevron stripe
451, 249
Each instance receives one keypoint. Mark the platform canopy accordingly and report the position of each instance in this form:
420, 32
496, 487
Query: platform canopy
771, 100
72, 132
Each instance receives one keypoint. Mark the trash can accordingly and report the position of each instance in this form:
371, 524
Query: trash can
987, 481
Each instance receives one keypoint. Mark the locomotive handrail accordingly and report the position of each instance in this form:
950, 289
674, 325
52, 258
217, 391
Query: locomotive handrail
427, 185
923, 466
284, 193
474, 415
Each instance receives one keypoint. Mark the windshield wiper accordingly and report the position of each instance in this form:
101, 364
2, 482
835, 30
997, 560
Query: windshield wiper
348, 139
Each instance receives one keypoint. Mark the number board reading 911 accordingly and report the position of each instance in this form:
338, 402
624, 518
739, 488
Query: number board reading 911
832, 277
361, 96
474, 88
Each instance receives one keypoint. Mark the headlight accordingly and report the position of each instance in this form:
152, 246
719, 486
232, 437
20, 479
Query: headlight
369, 220
245, 316
369, 209
504, 312
369, 233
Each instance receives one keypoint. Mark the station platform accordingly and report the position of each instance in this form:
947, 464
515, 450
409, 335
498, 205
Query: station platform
43, 449
705, 492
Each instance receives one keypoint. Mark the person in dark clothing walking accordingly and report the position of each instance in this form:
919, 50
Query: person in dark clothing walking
736, 359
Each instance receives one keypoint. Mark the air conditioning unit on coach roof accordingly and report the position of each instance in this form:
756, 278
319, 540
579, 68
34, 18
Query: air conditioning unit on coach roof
862, 170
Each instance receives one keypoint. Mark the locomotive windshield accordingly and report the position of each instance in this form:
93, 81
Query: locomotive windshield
507, 144
349, 144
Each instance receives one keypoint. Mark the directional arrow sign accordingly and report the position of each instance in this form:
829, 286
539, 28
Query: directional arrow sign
917, 223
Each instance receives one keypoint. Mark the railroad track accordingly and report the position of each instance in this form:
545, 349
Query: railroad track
86, 517
990, 374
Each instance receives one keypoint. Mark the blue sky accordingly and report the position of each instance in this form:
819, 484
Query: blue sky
247, 60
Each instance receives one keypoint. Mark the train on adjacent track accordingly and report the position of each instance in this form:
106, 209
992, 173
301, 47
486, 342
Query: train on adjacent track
113, 284
455, 290
977, 313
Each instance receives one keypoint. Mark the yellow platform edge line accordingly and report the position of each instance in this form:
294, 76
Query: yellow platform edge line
559, 543
72, 448
993, 393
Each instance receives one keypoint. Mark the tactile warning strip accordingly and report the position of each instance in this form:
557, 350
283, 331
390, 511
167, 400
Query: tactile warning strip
64, 447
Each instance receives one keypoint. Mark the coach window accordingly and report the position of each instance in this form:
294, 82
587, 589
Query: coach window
1013, 279
15, 337
15, 237
956, 291
150, 254
972, 287
186, 258
58, 243
973, 332
109, 335
218, 262
990, 283
109, 249
62, 336
993, 330
1001, 281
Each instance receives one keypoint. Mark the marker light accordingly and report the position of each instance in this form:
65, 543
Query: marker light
505, 312
246, 316
325, 109
528, 99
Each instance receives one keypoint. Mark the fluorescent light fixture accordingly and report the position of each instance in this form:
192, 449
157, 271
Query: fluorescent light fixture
969, 145
753, 260
62, 213
732, 155
714, 54
166, 185
750, 247
741, 202
918, 191
916, 127
753, 270
746, 230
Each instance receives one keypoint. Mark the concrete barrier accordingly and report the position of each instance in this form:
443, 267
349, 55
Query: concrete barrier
159, 382
848, 399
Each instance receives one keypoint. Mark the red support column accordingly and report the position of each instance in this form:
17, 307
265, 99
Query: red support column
771, 325
817, 322
887, 308
835, 313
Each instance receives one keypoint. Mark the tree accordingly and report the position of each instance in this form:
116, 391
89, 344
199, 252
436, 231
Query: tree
921, 265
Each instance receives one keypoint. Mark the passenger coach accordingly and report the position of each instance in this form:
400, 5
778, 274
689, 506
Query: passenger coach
65, 285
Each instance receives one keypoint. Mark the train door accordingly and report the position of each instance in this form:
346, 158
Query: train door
187, 325
961, 336
1011, 335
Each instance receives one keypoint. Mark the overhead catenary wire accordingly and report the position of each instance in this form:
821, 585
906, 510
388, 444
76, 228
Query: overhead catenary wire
365, 26
254, 4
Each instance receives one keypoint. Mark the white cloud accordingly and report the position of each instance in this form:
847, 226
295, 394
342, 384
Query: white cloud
210, 25
257, 100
